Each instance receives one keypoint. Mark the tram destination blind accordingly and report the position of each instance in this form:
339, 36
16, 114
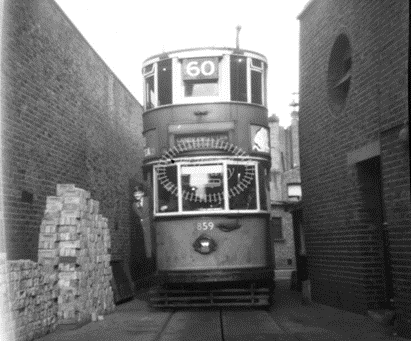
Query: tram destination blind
200, 68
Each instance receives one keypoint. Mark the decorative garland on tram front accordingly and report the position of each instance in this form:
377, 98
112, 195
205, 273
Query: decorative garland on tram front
202, 144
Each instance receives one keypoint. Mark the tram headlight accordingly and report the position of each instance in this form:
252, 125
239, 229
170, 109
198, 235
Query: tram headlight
204, 245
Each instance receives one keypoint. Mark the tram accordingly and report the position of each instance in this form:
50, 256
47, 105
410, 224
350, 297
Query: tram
207, 162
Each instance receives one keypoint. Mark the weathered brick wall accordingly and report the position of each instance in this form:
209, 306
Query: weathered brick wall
284, 250
342, 246
66, 119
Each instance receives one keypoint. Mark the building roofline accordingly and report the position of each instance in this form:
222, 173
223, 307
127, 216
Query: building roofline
306, 8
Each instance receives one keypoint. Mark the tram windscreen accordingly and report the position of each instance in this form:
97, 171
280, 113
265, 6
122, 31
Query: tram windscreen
167, 192
241, 187
202, 187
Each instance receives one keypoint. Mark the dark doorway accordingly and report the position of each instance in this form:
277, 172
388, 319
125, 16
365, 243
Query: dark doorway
373, 215
300, 252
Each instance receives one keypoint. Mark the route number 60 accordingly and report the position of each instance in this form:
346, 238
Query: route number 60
206, 68
205, 226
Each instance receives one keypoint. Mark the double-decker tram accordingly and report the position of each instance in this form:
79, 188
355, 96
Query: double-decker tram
207, 161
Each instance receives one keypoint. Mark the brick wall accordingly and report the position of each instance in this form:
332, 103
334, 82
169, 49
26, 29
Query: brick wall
343, 243
66, 118
284, 250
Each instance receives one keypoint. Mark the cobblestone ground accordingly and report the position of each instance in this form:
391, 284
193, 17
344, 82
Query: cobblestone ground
287, 320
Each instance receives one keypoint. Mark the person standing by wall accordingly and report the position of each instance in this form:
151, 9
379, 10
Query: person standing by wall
141, 207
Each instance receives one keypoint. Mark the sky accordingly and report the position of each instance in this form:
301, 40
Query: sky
126, 32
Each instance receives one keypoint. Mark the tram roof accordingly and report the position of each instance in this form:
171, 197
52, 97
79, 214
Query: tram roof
227, 50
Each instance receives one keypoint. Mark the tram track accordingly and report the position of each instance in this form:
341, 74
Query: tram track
222, 325
219, 324
164, 327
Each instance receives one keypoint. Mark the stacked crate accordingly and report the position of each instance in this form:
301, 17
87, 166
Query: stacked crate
83, 243
6, 318
33, 297
70, 284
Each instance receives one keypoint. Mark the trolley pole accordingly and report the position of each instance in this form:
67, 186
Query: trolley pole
237, 43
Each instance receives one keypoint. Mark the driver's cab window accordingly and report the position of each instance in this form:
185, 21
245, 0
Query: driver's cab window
242, 187
167, 190
202, 187
207, 187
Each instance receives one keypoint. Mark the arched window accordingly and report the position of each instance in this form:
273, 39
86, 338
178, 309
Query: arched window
339, 73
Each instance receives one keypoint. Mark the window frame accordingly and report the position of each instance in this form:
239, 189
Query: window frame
247, 75
170, 64
294, 197
151, 73
252, 139
259, 69
250, 68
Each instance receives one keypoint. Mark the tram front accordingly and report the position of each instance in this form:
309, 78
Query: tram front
207, 158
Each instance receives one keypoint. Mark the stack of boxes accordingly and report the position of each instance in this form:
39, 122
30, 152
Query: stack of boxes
32, 296
70, 284
81, 241
6, 318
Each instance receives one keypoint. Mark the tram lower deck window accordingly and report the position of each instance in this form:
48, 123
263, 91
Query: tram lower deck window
167, 190
210, 187
201, 88
241, 187
202, 187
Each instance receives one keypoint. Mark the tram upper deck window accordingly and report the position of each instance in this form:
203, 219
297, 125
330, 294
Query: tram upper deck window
200, 77
259, 139
165, 85
149, 86
202, 187
256, 87
256, 81
238, 78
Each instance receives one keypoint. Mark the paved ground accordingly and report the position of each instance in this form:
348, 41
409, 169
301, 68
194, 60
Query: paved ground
288, 320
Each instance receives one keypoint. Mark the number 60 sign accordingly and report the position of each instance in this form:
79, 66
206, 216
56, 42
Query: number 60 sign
200, 68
